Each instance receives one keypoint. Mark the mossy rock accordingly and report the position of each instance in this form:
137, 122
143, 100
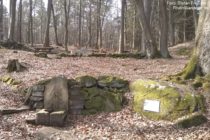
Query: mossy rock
41, 54
91, 92
10, 80
86, 81
64, 54
175, 100
101, 100
95, 103
111, 81
188, 121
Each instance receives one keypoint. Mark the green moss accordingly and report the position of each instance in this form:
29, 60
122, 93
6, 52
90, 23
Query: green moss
89, 93
95, 103
191, 120
113, 101
206, 86
89, 111
10, 80
111, 81
200, 103
184, 51
44, 82
174, 102
190, 69
86, 81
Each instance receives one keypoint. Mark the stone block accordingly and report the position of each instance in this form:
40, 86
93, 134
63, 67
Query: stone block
57, 118
38, 105
38, 88
38, 94
43, 117
36, 99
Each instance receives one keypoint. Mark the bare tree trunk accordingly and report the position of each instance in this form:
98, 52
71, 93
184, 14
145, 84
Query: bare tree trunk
1, 20
147, 11
66, 11
90, 24
184, 27
134, 30
80, 22
150, 44
19, 37
31, 23
122, 33
47, 32
200, 62
163, 41
171, 26
12, 20
195, 17
98, 24
55, 26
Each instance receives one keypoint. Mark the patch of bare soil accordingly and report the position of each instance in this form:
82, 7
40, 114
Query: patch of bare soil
119, 125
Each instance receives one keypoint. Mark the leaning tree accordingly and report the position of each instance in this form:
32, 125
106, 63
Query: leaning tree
200, 59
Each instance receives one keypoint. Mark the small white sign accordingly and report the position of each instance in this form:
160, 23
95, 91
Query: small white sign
152, 105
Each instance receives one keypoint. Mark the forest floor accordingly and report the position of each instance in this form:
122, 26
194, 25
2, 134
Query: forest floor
119, 125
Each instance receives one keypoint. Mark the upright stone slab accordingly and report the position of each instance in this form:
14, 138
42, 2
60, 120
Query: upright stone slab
56, 95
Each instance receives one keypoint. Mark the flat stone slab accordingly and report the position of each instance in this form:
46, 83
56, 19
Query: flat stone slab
5, 111
48, 133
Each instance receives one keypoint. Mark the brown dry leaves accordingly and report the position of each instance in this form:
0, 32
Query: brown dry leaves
120, 125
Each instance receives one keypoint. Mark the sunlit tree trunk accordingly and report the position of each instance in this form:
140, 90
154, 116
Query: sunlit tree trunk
163, 41
55, 26
200, 60
80, 23
19, 37
31, 23
47, 32
1, 20
90, 24
151, 49
12, 20
66, 11
122, 33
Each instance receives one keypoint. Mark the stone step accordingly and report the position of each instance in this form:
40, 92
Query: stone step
38, 88
36, 99
38, 94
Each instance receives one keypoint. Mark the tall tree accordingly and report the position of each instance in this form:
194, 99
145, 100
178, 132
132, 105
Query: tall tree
171, 26
122, 33
47, 32
20, 10
148, 13
163, 17
66, 11
1, 20
55, 26
90, 24
98, 37
31, 23
200, 62
12, 20
80, 22
151, 49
